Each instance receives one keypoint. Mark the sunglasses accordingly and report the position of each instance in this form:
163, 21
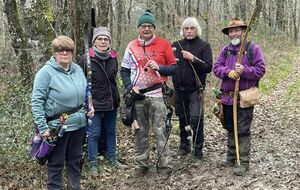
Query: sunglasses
63, 51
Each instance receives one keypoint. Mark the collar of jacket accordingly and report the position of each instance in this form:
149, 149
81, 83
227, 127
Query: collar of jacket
191, 41
53, 63
112, 53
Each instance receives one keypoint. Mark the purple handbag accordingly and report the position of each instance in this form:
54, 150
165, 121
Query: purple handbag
40, 148
44, 151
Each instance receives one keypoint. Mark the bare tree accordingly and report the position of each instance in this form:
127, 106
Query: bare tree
177, 8
259, 7
81, 15
19, 41
280, 14
295, 23
120, 18
103, 12
243, 9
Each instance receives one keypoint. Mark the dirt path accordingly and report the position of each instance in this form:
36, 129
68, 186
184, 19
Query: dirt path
275, 154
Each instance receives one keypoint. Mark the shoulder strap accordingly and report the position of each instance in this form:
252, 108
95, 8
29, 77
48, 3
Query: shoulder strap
226, 52
248, 51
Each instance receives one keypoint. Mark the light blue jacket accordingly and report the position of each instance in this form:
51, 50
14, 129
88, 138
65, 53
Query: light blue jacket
56, 91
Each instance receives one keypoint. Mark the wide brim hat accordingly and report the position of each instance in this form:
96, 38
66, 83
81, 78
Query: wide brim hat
234, 22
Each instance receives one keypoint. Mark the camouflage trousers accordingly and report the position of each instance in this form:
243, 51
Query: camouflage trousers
151, 112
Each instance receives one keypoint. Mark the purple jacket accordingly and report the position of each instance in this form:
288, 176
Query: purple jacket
251, 74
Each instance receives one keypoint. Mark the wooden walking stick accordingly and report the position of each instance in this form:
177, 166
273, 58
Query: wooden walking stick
236, 89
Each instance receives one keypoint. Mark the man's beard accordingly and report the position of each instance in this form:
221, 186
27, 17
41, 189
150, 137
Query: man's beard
235, 41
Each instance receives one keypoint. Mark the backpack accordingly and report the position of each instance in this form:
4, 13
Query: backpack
248, 52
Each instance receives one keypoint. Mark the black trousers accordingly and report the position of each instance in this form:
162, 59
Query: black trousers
244, 119
67, 150
189, 109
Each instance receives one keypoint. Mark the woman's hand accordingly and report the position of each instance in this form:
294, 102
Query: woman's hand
46, 133
91, 112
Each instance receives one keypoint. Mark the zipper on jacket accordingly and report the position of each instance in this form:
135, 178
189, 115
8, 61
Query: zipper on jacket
111, 96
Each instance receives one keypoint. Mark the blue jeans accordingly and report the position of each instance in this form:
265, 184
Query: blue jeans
106, 119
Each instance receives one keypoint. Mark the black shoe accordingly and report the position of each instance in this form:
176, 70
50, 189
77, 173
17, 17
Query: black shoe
184, 150
240, 170
228, 163
197, 161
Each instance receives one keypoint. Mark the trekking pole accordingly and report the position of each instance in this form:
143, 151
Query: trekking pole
236, 89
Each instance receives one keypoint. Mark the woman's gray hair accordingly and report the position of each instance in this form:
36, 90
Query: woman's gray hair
191, 21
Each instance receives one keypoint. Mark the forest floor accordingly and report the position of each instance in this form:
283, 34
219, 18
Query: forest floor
275, 153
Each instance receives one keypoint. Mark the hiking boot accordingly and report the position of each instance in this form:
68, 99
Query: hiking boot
240, 170
197, 161
164, 173
228, 163
140, 171
93, 171
116, 164
183, 150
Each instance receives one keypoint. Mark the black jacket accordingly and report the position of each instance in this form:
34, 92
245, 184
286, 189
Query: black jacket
104, 88
184, 79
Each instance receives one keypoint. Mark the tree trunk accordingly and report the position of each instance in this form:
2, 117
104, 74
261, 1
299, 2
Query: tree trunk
44, 26
226, 10
189, 8
198, 9
296, 25
103, 12
129, 12
120, 20
280, 15
259, 7
243, 10
177, 8
81, 15
19, 42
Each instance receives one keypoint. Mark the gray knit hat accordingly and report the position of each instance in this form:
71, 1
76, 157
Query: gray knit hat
101, 31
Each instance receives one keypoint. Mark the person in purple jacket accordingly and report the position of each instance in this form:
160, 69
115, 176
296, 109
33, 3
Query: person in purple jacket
249, 72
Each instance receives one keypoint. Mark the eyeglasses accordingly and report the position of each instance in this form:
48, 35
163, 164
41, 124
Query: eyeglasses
103, 39
64, 51
144, 26
191, 28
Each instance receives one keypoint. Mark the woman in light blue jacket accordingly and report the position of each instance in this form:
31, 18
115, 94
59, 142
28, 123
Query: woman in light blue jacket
60, 87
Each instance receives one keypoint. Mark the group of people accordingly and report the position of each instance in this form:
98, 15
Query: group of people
60, 87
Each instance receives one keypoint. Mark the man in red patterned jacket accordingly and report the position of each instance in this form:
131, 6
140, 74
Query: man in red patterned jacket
147, 62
